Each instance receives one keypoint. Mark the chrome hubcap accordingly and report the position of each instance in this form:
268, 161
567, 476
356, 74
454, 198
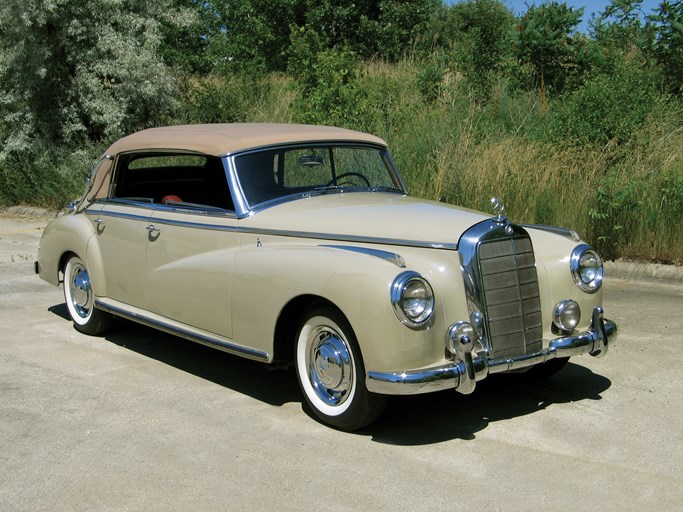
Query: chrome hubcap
330, 368
81, 292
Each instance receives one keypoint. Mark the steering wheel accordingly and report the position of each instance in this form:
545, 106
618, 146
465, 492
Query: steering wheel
335, 180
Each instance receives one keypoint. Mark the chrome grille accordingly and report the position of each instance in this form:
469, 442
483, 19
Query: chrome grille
510, 296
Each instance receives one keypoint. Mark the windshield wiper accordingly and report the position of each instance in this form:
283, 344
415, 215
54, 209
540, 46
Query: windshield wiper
328, 189
386, 189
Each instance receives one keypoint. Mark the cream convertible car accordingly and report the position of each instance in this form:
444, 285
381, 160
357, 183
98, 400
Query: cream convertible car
300, 244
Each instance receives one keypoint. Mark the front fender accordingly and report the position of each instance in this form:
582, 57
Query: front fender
552, 253
266, 279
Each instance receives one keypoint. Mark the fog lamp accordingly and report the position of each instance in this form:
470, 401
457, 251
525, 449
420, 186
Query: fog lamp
567, 315
459, 334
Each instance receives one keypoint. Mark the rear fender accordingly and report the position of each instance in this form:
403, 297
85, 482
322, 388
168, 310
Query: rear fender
66, 234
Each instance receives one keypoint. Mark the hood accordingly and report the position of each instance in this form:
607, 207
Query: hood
367, 217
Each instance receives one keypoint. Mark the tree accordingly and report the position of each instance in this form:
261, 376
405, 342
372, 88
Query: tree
668, 44
478, 35
258, 33
73, 70
327, 79
546, 39
621, 26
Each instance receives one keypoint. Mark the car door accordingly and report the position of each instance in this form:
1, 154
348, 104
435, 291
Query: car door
122, 234
189, 263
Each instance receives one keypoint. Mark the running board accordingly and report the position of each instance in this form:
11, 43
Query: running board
164, 324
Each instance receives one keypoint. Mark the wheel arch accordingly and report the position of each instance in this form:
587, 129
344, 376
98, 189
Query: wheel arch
288, 323
63, 260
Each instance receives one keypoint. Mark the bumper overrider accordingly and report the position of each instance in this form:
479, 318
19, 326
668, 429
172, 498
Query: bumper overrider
465, 370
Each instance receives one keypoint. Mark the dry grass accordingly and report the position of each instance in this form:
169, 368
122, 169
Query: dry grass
626, 199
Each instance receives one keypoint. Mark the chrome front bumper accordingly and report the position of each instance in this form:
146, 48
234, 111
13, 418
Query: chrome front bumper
463, 373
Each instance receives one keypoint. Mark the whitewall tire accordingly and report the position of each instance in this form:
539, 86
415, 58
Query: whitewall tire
80, 299
331, 373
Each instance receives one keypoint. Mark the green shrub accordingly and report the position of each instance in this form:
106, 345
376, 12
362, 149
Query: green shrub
615, 209
224, 99
608, 107
430, 80
45, 175
328, 91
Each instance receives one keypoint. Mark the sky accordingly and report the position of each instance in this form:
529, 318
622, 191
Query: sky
590, 7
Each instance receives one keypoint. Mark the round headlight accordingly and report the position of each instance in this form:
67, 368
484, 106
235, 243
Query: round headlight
586, 268
412, 299
567, 315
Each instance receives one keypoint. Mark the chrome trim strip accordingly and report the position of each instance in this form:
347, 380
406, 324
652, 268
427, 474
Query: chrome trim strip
195, 225
238, 198
119, 215
455, 375
279, 232
351, 238
391, 257
565, 232
168, 222
204, 339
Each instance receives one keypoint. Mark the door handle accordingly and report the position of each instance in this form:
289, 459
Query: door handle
99, 225
151, 228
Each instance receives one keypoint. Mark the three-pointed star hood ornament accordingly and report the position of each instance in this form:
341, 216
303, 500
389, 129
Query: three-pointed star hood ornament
498, 208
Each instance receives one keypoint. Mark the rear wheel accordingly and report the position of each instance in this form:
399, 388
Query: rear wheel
331, 373
80, 299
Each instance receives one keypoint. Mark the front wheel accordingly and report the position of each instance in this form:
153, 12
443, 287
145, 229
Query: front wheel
330, 371
80, 299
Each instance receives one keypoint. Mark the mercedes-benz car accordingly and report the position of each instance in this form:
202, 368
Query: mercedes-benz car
301, 245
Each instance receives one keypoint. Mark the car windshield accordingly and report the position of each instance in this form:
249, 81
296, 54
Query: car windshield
317, 169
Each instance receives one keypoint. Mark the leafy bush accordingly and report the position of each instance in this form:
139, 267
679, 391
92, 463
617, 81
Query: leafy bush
45, 175
328, 85
608, 107
672, 193
430, 79
224, 99
478, 34
616, 202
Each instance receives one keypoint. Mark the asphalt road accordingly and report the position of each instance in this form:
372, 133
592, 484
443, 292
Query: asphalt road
141, 420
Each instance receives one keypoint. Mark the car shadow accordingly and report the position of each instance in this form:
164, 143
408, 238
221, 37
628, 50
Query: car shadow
251, 378
408, 420
446, 415
60, 310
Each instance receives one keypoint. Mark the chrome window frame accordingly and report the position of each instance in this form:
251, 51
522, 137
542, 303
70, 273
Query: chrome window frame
245, 209
140, 203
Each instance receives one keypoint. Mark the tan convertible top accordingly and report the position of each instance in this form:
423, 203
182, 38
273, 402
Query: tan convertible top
222, 139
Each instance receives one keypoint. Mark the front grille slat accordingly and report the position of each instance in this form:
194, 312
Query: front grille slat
511, 295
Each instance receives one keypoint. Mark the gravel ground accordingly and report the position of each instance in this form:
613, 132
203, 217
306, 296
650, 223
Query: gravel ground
140, 420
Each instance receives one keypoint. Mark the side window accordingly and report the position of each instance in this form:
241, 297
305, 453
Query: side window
172, 161
173, 178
